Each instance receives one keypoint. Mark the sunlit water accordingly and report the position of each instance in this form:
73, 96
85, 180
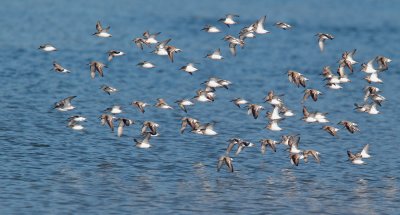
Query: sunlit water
48, 168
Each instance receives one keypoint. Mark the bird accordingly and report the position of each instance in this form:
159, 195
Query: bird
228, 20
114, 109
295, 158
239, 101
161, 48
273, 99
207, 129
75, 126
144, 144
254, 110
77, 118
146, 64
108, 89
268, 142
152, 126
193, 123
203, 96
108, 119
321, 39
274, 115
259, 26
297, 78
225, 160
189, 68
313, 153
140, 105
102, 32
122, 122
162, 104
47, 48
171, 50
367, 108
183, 103
283, 25
210, 29
216, 55
241, 145
311, 92
383, 62
290, 139
96, 66
114, 53
273, 125
65, 104
350, 126
58, 68
140, 42
150, 38
357, 158
348, 60
331, 130
314, 116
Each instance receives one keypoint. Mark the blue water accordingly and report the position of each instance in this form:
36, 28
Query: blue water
46, 168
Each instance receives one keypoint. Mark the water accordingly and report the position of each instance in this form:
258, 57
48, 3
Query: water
48, 168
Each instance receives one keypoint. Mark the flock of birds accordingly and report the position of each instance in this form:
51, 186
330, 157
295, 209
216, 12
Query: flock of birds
279, 110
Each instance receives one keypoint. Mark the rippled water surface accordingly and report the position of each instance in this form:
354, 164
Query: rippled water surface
46, 168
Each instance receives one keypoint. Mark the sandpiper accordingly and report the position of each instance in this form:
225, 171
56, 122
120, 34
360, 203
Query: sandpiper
146, 64
268, 142
274, 115
203, 96
216, 55
162, 104
102, 32
367, 108
373, 78
311, 92
254, 109
369, 67
350, 126
140, 42
171, 50
342, 75
239, 101
150, 38
109, 119
314, 116
193, 123
283, 25
116, 109
331, 130
75, 126
383, 62
207, 129
152, 126
58, 68
321, 39
189, 68
96, 66
161, 48
297, 78
47, 48
114, 53
313, 153
295, 158
369, 91
183, 103
225, 160
122, 123
327, 72
144, 144
348, 60
140, 105
241, 145
290, 139
65, 104
285, 111
357, 158
77, 118
210, 29
108, 89
259, 26
273, 125
228, 20
273, 99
